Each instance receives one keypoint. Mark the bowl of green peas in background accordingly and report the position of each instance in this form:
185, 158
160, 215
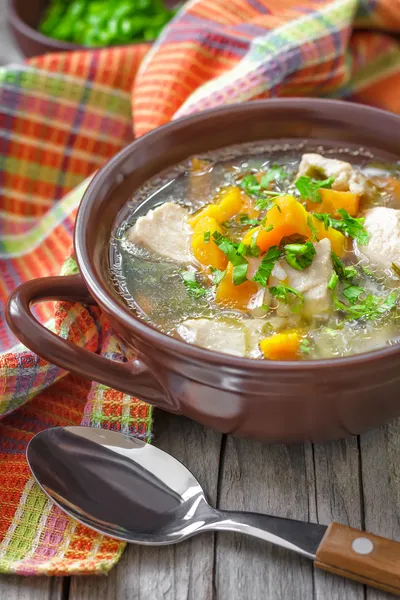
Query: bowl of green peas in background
42, 26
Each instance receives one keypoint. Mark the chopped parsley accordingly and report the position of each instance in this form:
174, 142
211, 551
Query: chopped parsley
344, 273
251, 187
239, 274
245, 220
352, 293
370, 308
309, 188
267, 264
313, 229
240, 264
217, 275
282, 291
305, 346
349, 226
194, 288
332, 283
299, 256
207, 235
265, 204
249, 249
274, 173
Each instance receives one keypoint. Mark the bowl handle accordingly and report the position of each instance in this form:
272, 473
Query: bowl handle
133, 378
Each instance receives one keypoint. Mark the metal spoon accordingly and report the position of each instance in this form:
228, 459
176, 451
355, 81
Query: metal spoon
132, 491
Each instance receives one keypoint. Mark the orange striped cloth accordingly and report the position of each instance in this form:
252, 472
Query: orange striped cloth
62, 117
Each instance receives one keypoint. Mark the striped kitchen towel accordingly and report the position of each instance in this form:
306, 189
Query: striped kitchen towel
62, 117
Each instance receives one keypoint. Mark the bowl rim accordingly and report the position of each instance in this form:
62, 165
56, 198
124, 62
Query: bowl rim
29, 32
172, 345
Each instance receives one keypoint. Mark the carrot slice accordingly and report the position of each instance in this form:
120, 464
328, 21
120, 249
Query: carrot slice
282, 346
234, 296
208, 253
332, 200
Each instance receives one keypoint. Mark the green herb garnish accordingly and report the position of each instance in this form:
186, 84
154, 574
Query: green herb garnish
265, 204
313, 229
207, 235
370, 308
274, 173
245, 220
309, 188
353, 227
299, 256
344, 273
349, 226
193, 287
282, 291
333, 281
305, 346
352, 293
251, 186
239, 274
267, 264
217, 275
231, 251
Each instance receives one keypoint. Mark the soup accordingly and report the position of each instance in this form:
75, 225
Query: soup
272, 253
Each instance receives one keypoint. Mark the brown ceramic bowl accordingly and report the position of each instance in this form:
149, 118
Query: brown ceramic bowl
272, 401
24, 17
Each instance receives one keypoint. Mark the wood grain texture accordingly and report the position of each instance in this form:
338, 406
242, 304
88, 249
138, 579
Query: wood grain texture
380, 471
260, 478
184, 571
13, 587
338, 498
379, 568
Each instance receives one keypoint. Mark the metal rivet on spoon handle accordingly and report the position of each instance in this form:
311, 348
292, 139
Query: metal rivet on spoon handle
130, 490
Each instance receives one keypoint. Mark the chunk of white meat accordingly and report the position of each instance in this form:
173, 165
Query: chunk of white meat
226, 336
165, 232
346, 178
383, 248
313, 281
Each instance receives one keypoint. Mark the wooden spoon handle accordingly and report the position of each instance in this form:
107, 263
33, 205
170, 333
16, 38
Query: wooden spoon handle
362, 556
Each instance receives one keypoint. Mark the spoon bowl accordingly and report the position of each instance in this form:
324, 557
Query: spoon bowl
118, 485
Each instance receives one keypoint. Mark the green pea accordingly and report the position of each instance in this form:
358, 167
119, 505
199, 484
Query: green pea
113, 25
91, 39
79, 32
76, 9
63, 31
143, 5
51, 18
124, 9
149, 34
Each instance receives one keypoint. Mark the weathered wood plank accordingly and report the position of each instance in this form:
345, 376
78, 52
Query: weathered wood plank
273, 480
13, 587
181, 572
380, 461
338, 497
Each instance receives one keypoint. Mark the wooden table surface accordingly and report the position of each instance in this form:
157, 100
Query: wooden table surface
354, 481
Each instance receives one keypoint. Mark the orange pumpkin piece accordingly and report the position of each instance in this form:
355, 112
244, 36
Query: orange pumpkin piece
208, 253
234, 296
332, 200
230, 202
282, 346
337, 239
287, 217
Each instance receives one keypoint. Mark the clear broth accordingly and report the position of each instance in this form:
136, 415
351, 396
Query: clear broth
154, 288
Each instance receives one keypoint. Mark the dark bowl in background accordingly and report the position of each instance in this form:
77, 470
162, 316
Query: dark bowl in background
24, 18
